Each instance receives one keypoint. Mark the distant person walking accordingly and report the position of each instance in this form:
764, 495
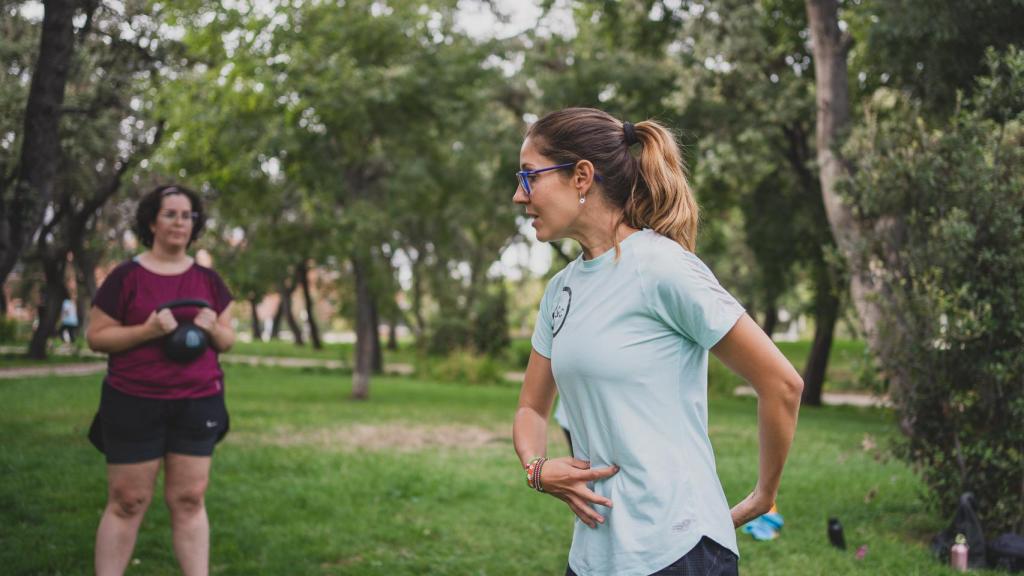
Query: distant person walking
155, 410
623, 333
68, 321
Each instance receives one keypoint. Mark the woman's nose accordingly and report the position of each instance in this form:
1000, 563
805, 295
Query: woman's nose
520, 196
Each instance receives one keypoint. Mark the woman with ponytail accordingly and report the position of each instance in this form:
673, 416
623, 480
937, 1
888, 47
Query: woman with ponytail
623, 335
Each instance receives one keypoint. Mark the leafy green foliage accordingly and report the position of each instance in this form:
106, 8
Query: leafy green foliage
8, 330
946, 207
336, 131
490, 329
932, 48
462, 365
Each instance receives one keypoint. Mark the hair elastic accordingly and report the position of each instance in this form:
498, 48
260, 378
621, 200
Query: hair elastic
630, 132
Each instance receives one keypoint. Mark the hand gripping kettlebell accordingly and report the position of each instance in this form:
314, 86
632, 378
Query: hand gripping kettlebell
188, 341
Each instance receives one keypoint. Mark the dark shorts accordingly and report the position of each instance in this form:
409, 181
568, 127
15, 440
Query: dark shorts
707, 558
131, 429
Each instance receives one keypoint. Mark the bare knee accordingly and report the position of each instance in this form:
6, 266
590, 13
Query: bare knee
128, 503
186, 502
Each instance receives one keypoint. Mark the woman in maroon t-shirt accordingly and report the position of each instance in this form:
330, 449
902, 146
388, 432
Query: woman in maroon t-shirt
154, 410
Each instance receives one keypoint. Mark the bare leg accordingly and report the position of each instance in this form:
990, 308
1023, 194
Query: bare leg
129, 491
185, 481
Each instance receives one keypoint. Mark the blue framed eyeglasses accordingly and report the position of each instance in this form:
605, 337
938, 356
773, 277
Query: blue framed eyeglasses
525, 175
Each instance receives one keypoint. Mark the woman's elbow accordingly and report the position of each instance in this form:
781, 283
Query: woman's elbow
96, 342
794, 387
90, 340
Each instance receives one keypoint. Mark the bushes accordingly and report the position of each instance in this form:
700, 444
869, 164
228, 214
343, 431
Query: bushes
946, 207
462, 366
484, 329
8, 330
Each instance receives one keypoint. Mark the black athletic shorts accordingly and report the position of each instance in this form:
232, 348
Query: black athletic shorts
707, 558
131, 429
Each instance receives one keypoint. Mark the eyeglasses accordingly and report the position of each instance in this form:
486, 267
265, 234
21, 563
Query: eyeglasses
525, 175
172, 215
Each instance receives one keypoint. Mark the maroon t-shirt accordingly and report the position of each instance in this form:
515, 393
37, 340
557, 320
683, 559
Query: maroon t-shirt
129, 295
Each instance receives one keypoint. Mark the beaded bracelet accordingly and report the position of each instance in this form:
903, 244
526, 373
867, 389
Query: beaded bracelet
536, 477
531, 470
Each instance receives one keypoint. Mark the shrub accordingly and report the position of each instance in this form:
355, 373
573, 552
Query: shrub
490, 326
8, 330
463, 366
946, 208
519, 353
484, 328
448, 333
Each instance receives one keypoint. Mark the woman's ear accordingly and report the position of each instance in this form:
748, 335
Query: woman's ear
583, 176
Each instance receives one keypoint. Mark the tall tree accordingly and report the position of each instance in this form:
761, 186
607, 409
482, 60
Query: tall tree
22, 209
932, 49
106, 129
351, 102
831, 47
735, 77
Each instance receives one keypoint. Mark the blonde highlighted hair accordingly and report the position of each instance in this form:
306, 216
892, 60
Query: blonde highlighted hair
650, 187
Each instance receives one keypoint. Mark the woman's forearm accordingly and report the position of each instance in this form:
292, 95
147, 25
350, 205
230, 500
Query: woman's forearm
776, 423
222, 337
529, 433
114, 339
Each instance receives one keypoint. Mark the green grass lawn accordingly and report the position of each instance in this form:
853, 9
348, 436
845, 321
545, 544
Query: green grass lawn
421, 479
21, 361
279, 348
846, 360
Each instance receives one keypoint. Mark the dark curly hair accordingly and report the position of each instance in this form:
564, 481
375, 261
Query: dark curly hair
149, 206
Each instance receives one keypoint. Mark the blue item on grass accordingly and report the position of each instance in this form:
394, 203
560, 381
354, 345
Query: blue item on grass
764, 527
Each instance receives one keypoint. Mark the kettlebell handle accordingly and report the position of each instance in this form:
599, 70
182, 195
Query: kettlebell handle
196, 302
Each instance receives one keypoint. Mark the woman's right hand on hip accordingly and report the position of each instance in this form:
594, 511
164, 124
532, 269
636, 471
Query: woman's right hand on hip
566, 478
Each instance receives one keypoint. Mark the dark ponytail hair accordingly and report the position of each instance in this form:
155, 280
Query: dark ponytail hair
650, 188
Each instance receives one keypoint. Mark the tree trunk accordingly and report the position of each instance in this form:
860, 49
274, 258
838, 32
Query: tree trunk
392, 335
771, 319
284, 312
257, 330
378, 356
364, 333
293, 325
275, 325
830, 48
54, 294
85, 266
419, 323
40, 149
826, 313
302, 274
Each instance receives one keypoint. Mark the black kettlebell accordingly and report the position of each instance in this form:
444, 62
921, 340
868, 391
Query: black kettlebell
188, 341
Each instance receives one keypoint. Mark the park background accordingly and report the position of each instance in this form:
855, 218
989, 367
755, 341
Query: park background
859, 170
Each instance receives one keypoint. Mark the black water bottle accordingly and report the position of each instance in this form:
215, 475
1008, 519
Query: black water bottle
835, 533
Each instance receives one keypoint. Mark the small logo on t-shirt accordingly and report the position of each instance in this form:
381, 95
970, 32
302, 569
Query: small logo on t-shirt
561, 310
682, 526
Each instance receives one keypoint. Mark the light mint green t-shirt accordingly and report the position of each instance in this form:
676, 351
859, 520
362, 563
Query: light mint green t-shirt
628, 342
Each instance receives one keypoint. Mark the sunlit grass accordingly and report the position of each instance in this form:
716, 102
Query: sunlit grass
293, 492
